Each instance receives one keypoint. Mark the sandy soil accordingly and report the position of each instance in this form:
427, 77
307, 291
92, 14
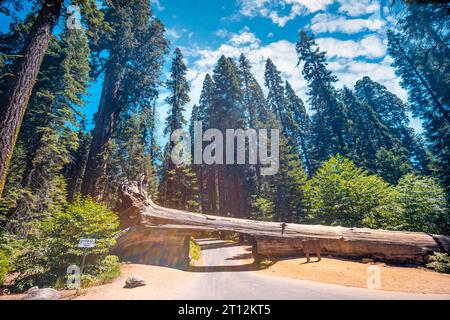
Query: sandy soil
162, 283
354, 274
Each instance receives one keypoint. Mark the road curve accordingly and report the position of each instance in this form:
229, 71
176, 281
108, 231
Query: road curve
228, 282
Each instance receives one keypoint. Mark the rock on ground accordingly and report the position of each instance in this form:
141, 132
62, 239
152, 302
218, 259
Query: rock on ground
42, 294
134, 281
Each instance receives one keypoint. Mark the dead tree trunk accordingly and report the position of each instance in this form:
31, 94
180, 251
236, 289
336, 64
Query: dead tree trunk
14, 101
140, 216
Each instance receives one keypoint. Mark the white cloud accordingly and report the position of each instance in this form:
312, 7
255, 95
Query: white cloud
281, 11
158, 5
323, 22
370, 47
348, 71
355, 8
173, 33
222, 33
347, 60
245, 37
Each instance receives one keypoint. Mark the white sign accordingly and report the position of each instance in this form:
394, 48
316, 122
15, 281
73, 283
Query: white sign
86, 243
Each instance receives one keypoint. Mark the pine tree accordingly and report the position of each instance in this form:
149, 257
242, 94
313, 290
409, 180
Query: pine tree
330, 117
15, 98
275, 97
393, 113
48, 136
179, 187
300, 125
367, 133
228, 112
426, 96
135, 45
208, 176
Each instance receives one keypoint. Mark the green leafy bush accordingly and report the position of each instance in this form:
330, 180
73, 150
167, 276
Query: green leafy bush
4, 254
440, 262
53, 244
104, 272
3, 267
263, 209
340, 193
194, 250
423, 201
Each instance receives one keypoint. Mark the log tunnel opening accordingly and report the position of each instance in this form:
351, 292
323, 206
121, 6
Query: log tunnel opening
225, 251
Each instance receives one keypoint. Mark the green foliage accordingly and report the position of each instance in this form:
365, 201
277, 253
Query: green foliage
103, 272
342, 194
391, 166
423, 201
330, 118
179, 188
440, 262
3, 266
5, 252
195, 252
421, 54
263, 209
52, 246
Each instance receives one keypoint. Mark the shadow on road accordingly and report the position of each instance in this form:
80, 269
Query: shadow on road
244, 267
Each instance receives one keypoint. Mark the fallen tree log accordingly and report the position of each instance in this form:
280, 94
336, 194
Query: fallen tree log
146, 223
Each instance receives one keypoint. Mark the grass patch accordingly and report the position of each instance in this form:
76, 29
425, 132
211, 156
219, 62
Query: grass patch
439, 262
195, 252
266, 262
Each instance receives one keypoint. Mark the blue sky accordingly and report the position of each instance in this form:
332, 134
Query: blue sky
351, 31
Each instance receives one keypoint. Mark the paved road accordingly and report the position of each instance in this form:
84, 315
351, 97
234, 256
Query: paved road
225, 281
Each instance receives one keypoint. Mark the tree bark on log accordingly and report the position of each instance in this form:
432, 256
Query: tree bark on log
14, 100
140, 215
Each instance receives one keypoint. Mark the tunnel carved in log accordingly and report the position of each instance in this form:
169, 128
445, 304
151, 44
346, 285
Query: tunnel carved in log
140, 217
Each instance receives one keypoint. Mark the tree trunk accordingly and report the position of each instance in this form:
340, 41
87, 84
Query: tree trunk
139, 216
94, 177
14, 101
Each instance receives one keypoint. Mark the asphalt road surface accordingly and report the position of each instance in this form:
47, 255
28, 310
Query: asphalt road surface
222, 275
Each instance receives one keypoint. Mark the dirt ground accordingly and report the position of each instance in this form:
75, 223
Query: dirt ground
355, 274
162, 283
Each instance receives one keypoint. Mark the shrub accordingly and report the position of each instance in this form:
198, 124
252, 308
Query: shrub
342, 194
4, 254
53, 244
194, 250
263, 209
3, 267
440, 262
104, 272
423, 201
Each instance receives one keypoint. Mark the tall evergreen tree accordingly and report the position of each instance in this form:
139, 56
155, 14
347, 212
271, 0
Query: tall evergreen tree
14, 100
48, 136
301, 125
134, 41
228, 112
208, 178
179, 187
427, 96
367, 134
393, 113
330, 117
275, 96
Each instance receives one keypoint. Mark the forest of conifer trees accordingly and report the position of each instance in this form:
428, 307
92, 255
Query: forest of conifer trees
348, 156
